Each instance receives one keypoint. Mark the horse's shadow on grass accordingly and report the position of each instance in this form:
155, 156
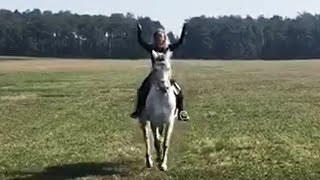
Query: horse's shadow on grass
74, 171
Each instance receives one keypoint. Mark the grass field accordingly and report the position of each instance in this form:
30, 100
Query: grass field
70, 120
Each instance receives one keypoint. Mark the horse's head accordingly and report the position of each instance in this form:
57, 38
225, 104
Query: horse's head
162, 70
162, 56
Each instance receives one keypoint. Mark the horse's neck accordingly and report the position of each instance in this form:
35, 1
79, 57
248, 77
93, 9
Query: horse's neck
158, 99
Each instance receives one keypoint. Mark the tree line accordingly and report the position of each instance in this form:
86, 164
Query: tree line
66, 34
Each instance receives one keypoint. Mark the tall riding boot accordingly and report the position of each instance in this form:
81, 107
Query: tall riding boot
136, 113
182, 113
142, 96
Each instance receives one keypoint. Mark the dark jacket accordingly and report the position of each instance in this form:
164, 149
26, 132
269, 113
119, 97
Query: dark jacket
149, 47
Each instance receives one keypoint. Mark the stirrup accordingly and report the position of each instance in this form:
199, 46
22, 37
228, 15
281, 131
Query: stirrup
183, 116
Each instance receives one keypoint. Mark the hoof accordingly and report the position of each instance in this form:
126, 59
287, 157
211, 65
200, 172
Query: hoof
163, 167
149, 164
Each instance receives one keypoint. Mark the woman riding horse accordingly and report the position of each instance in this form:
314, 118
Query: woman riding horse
160, 43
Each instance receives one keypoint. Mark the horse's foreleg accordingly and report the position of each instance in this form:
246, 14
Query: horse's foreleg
146, 136
166, 143
158, 141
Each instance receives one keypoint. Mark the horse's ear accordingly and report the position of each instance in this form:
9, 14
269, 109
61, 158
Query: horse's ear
155, 55
168, 54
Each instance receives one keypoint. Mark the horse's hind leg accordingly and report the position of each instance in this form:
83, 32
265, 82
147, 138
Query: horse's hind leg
157, 136
167, 137
146, 136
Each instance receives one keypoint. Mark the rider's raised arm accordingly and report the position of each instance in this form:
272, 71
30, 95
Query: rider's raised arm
142, 42
180, 41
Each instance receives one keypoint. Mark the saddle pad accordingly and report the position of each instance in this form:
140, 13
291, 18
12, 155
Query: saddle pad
176, 88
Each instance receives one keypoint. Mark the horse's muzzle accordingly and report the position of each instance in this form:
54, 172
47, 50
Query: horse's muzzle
163, 87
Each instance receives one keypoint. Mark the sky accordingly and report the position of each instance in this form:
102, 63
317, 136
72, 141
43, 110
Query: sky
171, 13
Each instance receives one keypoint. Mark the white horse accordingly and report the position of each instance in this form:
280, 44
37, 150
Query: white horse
160, 110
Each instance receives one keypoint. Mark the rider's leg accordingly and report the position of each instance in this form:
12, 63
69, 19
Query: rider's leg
182, 113
142, 95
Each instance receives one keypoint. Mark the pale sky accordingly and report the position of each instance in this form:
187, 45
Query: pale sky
171, 13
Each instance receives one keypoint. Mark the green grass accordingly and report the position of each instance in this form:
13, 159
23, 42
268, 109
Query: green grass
250, 120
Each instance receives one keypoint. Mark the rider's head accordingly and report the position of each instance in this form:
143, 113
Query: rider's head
160, 39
